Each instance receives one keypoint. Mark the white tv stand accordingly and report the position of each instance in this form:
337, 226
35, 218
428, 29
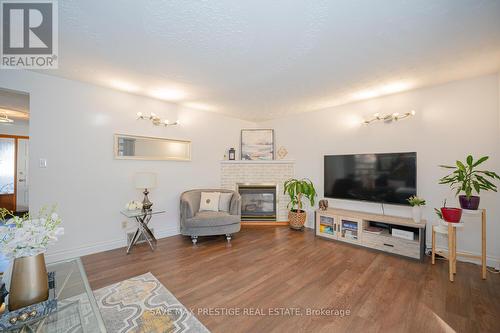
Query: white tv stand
350, 226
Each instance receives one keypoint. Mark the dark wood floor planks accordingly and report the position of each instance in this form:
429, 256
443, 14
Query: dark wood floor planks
277, 268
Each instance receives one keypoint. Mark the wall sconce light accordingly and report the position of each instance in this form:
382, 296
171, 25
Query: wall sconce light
388, 118
157, 121
4, 118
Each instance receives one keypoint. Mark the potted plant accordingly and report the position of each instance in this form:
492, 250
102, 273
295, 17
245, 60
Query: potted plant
416, 204
297, 189
25, 239
467, 179
449, 214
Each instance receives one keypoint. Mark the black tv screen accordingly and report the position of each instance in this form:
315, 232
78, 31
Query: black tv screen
386, 178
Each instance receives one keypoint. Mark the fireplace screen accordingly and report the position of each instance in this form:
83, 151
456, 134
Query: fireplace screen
258, 202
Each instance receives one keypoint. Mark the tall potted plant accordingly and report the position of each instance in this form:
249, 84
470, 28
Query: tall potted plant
298, 189
466, 178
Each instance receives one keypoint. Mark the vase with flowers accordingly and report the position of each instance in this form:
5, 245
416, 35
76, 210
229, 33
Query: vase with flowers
24, 239
416, 204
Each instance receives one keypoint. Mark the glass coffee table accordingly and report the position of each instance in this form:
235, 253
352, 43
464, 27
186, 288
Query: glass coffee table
142, 218
76, 309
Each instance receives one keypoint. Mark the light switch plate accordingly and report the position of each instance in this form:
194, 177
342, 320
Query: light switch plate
43, 163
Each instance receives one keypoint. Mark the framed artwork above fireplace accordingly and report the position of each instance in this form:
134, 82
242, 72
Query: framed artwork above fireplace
257, 144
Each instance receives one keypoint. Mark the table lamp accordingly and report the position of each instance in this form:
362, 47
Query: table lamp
145, 180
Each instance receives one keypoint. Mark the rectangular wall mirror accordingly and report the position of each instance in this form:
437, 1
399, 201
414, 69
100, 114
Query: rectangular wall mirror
131, 147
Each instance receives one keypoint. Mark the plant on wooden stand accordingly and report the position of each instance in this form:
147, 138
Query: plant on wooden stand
297, 189
449, 214
466, 178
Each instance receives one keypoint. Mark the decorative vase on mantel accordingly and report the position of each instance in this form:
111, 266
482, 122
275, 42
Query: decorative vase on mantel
29, 283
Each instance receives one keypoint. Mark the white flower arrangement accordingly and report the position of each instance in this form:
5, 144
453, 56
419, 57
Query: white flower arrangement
133, 205
27, 236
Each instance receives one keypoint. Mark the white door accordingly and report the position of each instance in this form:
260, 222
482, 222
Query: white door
22, 195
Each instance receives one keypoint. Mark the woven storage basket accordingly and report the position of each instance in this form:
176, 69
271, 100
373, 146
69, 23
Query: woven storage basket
296, 220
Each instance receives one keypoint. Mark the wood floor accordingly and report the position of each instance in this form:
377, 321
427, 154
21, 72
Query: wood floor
274, 269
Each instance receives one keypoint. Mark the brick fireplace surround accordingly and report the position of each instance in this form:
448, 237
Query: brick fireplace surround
260, 172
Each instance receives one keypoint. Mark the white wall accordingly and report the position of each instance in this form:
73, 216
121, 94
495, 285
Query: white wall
452, 120
72, 126
19, 127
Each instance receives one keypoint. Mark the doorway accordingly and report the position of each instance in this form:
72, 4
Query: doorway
14, 151
14, 173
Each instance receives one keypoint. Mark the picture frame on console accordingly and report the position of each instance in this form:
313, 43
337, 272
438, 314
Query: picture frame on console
257, 144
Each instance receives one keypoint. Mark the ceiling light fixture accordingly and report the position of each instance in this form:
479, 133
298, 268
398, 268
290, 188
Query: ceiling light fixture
389, 117
4, 118
157, 121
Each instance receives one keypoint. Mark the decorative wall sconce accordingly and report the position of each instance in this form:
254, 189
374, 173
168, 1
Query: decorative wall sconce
388, 118
157, 121
4, 118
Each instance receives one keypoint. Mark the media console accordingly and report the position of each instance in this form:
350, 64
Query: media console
393, 234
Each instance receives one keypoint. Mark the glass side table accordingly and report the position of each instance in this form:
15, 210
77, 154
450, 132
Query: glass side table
77, 309
142, 218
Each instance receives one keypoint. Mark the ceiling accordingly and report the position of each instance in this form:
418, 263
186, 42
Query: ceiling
259, 59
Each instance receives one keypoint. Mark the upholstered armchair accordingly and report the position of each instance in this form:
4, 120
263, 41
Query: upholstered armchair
197, 223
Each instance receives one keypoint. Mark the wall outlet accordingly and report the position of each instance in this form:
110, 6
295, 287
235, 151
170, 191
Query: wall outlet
124, 224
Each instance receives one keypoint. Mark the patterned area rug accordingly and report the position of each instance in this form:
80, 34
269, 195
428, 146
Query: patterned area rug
143, 304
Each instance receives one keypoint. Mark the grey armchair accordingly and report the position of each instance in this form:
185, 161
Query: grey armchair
197, 223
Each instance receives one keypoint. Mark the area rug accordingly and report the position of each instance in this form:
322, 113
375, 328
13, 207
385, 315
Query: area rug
143, 304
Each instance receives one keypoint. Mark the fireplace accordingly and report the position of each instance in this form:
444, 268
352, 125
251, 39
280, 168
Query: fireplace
258, 202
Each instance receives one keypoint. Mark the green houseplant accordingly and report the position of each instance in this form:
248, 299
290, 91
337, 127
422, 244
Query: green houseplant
298, 189
466, 178
416, 203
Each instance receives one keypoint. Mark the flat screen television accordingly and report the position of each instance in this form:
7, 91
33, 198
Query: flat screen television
385, 178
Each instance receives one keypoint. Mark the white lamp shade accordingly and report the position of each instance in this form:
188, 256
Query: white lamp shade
145, 180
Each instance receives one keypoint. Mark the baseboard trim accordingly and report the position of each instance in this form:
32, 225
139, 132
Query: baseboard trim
267, 223
491, 261
102, 246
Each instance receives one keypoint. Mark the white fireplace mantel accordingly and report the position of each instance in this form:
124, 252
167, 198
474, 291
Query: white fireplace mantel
257, 162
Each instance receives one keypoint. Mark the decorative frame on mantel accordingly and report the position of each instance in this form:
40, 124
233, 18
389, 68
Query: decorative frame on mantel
134, 147
257, 144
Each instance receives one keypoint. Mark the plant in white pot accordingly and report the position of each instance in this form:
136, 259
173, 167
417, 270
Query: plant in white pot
466, 178
298, 189
416, 204
25, 240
